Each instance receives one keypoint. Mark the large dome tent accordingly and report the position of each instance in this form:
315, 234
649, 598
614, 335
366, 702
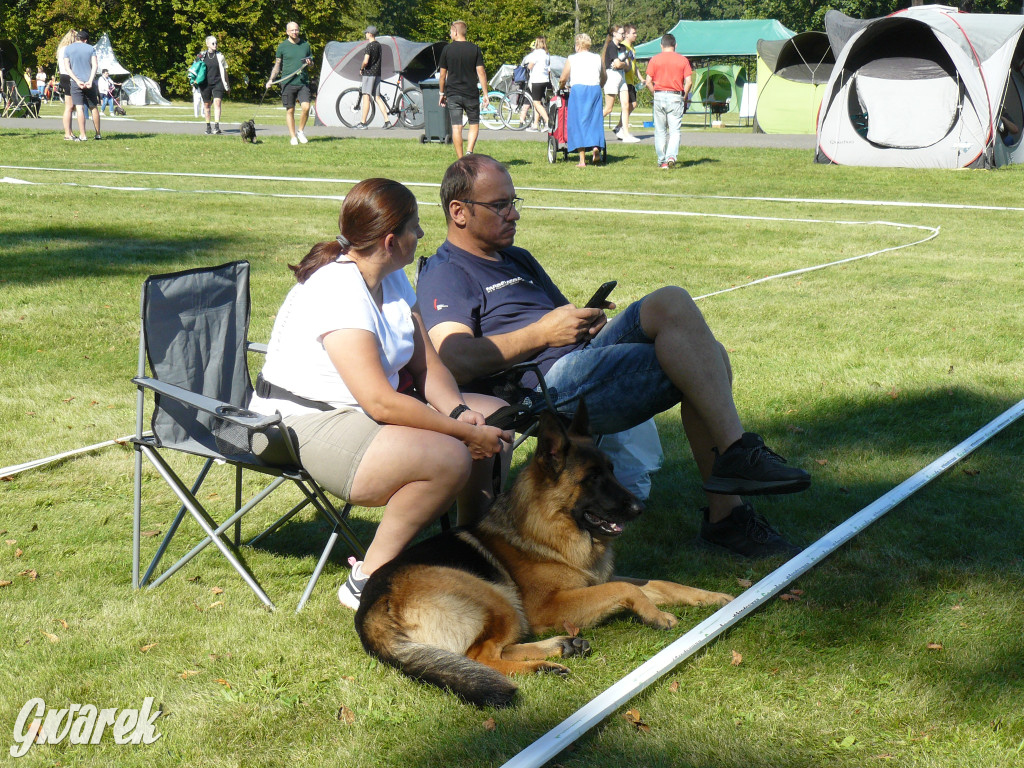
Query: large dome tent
924, 87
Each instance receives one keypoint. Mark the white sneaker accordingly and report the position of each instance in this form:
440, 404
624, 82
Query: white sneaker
350, 592
295, 141
302, 137
628, 138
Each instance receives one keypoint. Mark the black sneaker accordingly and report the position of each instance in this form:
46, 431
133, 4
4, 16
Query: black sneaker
216, 129
745, 533
208, 129
749, 467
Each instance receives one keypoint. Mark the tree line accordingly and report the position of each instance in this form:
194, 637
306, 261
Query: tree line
159, 38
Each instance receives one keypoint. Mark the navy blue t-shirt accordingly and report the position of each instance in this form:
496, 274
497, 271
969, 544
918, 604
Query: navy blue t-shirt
490, 297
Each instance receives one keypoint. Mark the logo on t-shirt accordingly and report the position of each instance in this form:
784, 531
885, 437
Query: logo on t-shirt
439, 307
503, 284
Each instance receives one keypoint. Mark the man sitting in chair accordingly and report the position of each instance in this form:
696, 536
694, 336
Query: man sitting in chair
488, 305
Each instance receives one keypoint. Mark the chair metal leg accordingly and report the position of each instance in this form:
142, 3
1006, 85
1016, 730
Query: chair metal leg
173, 528
319, 567
206, 523
278, 523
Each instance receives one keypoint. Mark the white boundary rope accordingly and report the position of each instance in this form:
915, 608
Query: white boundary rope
15, 469
621, 193
560, 737
933, 233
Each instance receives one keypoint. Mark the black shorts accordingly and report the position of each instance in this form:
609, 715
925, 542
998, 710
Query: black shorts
632, 93
211, 92
458, 104
89, 97
294, 92
538, 90
65, 85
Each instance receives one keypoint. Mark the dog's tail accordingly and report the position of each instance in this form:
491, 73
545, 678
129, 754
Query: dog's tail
470, 680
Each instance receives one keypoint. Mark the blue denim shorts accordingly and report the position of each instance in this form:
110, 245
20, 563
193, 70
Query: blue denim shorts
617, 375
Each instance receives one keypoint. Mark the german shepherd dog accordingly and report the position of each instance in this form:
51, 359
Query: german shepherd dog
453, 609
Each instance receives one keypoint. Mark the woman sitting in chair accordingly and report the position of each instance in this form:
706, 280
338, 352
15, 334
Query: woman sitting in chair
376, 417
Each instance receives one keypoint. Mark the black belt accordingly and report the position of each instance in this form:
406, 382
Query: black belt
267, 390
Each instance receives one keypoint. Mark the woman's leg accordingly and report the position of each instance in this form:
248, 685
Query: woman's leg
478, 494
415, 475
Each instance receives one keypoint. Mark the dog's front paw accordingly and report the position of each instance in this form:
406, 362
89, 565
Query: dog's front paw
552, 667
663, 620
574, 646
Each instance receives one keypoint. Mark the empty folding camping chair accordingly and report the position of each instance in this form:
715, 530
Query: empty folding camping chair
194, 339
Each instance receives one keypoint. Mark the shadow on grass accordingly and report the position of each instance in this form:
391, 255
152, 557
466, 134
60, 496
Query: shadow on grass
73, 249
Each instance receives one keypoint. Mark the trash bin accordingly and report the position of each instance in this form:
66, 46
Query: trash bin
436, 125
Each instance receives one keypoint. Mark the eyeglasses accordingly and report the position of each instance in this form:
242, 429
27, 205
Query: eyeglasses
503, 207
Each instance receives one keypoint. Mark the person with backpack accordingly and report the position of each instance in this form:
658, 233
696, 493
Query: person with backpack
538, 62
216, 85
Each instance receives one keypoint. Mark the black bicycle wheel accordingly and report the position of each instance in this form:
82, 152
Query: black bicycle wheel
350, 108
410, 108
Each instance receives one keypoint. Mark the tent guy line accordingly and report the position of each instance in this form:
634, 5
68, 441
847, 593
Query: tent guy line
559, 190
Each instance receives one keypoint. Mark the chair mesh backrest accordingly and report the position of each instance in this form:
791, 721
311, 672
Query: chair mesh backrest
196, 326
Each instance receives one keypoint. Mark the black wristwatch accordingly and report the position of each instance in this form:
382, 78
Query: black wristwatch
459, 409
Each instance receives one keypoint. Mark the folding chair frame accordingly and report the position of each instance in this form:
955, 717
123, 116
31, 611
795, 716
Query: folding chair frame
147, 445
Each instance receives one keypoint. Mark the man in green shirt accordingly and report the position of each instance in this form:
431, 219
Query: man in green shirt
293, 57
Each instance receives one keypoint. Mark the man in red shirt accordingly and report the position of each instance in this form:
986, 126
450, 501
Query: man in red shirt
669, 77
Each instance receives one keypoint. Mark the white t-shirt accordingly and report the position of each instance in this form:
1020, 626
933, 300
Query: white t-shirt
335, 297
103, 85
62, 68
40, 80
541, 65
585, 68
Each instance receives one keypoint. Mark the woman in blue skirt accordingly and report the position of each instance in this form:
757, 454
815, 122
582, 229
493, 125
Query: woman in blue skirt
584, 72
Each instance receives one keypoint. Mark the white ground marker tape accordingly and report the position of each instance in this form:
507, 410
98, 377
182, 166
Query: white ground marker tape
559, 190
560, 737
15, 469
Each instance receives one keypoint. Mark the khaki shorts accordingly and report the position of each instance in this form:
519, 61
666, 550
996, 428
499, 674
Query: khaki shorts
331, 445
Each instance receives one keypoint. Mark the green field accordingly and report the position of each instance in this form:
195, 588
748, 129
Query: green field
902, 649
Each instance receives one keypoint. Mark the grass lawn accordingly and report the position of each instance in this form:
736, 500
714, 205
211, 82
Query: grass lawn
902, 649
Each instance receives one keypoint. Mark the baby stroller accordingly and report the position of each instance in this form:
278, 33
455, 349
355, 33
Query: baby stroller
558, 132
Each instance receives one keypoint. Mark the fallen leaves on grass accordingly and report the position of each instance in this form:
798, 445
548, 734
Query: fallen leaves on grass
789, 597
971, 472
5, 583
19, 552
10, 542
149, 647
62, 623
222, 681
217, 604
31, 573
489, 724
795, 429
737, 658
632, 717
49, 636
821, 462
745, 583
674, 686
150, 533
934, 646
217, 590
187, 673
346, 715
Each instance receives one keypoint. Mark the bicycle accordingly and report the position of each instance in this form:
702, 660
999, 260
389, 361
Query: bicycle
405, 102
517, 109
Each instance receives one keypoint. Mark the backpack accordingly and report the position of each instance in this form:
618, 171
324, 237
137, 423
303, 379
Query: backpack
197, 73
520, 75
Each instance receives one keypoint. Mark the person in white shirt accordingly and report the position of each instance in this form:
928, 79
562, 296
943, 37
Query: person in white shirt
376, 417
105, 86
41, 82
538, 61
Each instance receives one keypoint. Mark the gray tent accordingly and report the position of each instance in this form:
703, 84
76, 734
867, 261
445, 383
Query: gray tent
339, 70
927, 87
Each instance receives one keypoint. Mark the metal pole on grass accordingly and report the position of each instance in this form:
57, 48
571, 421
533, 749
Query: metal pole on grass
560, 737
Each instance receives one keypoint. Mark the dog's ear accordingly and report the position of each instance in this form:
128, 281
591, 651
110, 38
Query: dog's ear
552, 444
580, 426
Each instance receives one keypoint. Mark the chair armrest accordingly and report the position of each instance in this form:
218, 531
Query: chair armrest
250, 420
257, 347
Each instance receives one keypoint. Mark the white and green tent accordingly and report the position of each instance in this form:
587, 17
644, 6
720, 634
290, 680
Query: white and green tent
927, 87
791, 79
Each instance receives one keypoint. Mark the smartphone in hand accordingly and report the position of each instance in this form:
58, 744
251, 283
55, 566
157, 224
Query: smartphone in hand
601, 295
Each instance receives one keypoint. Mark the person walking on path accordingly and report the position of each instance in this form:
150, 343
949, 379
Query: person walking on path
216, 85
632, 76
669, 77
80, 58
369, 71
585, 75
461, 68
538, 61
105, 86
293, 57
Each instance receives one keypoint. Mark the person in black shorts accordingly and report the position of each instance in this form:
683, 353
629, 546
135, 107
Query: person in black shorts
461, 68
293, 57
80, 61
370, 87
216, 84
